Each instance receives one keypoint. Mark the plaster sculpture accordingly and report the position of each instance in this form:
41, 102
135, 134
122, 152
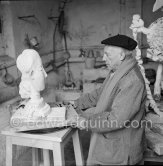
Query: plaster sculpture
154, 35
157, 5
32, 82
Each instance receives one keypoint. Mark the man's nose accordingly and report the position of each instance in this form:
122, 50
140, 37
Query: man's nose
104, 57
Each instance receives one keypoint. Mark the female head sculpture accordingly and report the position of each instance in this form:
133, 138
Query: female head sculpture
33, 74
32, 82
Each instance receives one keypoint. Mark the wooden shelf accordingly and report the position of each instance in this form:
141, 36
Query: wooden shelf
81, 60
6, 61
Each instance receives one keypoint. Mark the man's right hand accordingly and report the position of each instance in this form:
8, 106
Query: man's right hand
63, 103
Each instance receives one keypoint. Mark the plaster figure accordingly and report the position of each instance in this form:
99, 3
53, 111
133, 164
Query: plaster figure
32, 82
154, 35
157, 5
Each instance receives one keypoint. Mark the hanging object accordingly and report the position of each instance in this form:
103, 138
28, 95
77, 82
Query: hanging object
69, 79
31, 42
34, 41
59, 30
30, 19
61, 25
26, 17
7, 78
90, 59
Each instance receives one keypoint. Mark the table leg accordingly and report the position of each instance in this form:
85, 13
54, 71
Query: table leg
8, 151
58, 155
46, 157
77, 148
35, 157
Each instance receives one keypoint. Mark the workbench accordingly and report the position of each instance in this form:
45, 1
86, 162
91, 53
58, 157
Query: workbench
54, 141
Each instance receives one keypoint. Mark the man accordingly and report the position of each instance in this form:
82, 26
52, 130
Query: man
114, 111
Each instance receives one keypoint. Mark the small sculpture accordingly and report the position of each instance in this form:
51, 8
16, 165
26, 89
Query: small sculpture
154, 35
32, 82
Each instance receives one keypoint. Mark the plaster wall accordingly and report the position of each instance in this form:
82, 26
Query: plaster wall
92, 21
39, 25
88, 23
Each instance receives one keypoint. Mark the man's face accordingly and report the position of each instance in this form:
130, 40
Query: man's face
112, 56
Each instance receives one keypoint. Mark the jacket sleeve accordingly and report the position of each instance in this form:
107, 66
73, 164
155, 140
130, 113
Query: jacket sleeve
88, 100
125, 105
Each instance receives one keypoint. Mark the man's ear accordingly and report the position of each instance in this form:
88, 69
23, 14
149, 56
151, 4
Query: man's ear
122, 56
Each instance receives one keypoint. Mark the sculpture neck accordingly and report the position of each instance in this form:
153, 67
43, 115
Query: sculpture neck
35, 96
143, 30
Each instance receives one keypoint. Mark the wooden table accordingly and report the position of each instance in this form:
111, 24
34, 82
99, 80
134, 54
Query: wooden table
51, 141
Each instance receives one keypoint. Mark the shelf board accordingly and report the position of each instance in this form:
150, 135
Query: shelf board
6, 61
80, 60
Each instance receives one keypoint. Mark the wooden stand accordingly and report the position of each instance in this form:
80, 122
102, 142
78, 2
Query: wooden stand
52, 141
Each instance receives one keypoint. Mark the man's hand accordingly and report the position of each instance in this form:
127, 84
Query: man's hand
78, 122
63, 103
75, 119
81, 123
57, 104
68, 102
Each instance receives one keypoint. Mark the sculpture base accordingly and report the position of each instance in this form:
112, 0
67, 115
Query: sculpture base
30, 112
52, 120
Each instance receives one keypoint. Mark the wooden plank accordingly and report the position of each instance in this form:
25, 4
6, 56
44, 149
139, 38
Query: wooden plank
8, 151
78, 149
6, 61
55, 136
35, 157
43, 144
93, 74
46, 157
58, 154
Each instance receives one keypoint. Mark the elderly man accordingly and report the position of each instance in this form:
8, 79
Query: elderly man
114, 112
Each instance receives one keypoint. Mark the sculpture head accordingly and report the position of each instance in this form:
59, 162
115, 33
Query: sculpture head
30, 65
137, 21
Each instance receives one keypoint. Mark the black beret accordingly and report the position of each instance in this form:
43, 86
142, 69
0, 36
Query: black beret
121, 41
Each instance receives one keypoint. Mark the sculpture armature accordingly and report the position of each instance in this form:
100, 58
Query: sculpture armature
32, 82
